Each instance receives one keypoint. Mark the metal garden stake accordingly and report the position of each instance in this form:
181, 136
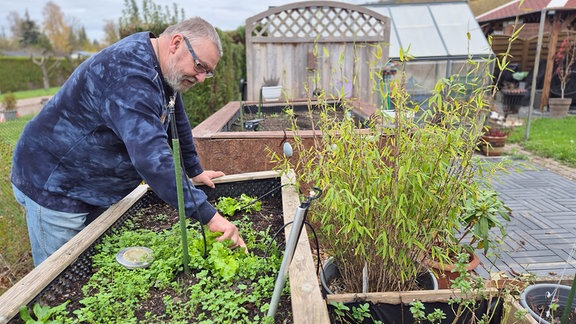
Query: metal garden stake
297, 225
179, 188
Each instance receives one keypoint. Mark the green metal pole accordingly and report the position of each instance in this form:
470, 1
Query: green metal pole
181, 210
179, 188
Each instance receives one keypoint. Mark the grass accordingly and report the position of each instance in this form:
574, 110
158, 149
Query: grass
33, 93
553, 138
10, 131
15, 260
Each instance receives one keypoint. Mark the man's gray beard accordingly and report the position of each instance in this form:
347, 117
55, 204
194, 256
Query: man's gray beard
175, 79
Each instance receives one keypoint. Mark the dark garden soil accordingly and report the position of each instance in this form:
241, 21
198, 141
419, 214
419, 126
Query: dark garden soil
271, 216
281, 121
556, 315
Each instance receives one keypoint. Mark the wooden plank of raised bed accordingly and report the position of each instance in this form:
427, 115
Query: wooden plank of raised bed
511, 307
441, 295
25, 290
244, 177
308, 306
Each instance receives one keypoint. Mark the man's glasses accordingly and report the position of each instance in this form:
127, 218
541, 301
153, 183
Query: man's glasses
198, 67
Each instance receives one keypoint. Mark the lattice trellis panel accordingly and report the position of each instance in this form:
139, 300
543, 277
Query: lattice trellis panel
298, 42
317, 21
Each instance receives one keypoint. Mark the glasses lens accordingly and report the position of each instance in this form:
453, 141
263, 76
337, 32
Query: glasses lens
200, 68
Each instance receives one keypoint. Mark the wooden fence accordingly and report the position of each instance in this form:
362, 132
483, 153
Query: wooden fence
317, 45
523, 51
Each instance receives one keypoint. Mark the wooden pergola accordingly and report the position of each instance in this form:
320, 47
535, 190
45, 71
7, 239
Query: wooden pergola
558, 16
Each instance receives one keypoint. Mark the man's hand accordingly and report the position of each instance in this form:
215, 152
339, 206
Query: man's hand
207, 176
228, 230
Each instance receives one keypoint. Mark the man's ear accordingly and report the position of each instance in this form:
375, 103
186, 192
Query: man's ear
175, 42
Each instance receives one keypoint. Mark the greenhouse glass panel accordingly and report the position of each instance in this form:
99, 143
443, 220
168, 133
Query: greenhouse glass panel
454, 21
416, 29
423, 75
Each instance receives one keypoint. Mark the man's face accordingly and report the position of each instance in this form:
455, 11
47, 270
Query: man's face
184, 70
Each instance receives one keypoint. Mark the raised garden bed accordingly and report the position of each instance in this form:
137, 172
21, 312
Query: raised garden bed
72, 262
308, 306
221, 148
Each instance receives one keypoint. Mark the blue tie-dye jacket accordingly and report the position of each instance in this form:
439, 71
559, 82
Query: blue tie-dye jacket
104, 132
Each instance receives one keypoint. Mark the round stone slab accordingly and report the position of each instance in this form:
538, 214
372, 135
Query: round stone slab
135, 257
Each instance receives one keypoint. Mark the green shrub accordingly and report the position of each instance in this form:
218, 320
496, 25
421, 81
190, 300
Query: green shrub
9, 102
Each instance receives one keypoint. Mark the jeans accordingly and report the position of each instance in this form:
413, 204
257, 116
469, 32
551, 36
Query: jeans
48, 229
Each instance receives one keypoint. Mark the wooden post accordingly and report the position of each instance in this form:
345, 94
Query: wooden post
552, 44
561, 22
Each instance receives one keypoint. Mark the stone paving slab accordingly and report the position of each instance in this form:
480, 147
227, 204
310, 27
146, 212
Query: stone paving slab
542, 234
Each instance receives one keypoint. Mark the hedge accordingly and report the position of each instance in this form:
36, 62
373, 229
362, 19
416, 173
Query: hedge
20, 73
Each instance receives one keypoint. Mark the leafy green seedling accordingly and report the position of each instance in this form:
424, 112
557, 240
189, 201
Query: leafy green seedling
43, 314
229, 206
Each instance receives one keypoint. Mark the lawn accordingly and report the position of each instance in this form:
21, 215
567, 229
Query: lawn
15, 260
553, 138
33, 93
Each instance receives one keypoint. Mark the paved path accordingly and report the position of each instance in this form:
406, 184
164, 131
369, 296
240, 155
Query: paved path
542, 233
32, 105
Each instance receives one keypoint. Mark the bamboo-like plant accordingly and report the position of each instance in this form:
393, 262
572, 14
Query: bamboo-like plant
393, 191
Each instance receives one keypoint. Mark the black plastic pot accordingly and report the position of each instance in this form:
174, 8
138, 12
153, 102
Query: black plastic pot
330, 271
400, 313
539, 296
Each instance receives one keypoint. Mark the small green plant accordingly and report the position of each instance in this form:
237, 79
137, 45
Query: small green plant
43, 314
9, 101
222, 285
229, 206
354, 314
417, 309
483, 210
271, 81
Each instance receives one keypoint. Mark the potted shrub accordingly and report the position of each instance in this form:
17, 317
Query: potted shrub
493, 140
9, 104
481, 212
60, 275
547, 302
564, 61
391, 190
271, 90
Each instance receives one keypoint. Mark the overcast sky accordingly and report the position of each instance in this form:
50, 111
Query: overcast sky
224, 14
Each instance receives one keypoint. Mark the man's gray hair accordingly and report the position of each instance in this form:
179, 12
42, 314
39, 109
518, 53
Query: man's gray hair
195, 29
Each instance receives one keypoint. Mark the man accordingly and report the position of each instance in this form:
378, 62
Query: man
107, 129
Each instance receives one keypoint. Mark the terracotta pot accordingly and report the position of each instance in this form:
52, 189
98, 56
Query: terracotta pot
492, 145
444, 273
559, 106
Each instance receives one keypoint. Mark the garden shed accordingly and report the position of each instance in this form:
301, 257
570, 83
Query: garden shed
317, 45
436, 34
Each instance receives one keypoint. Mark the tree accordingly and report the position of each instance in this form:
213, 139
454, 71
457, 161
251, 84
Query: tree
30, 35
14, 23
57, 30
110, 32
42, 62
151, 18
